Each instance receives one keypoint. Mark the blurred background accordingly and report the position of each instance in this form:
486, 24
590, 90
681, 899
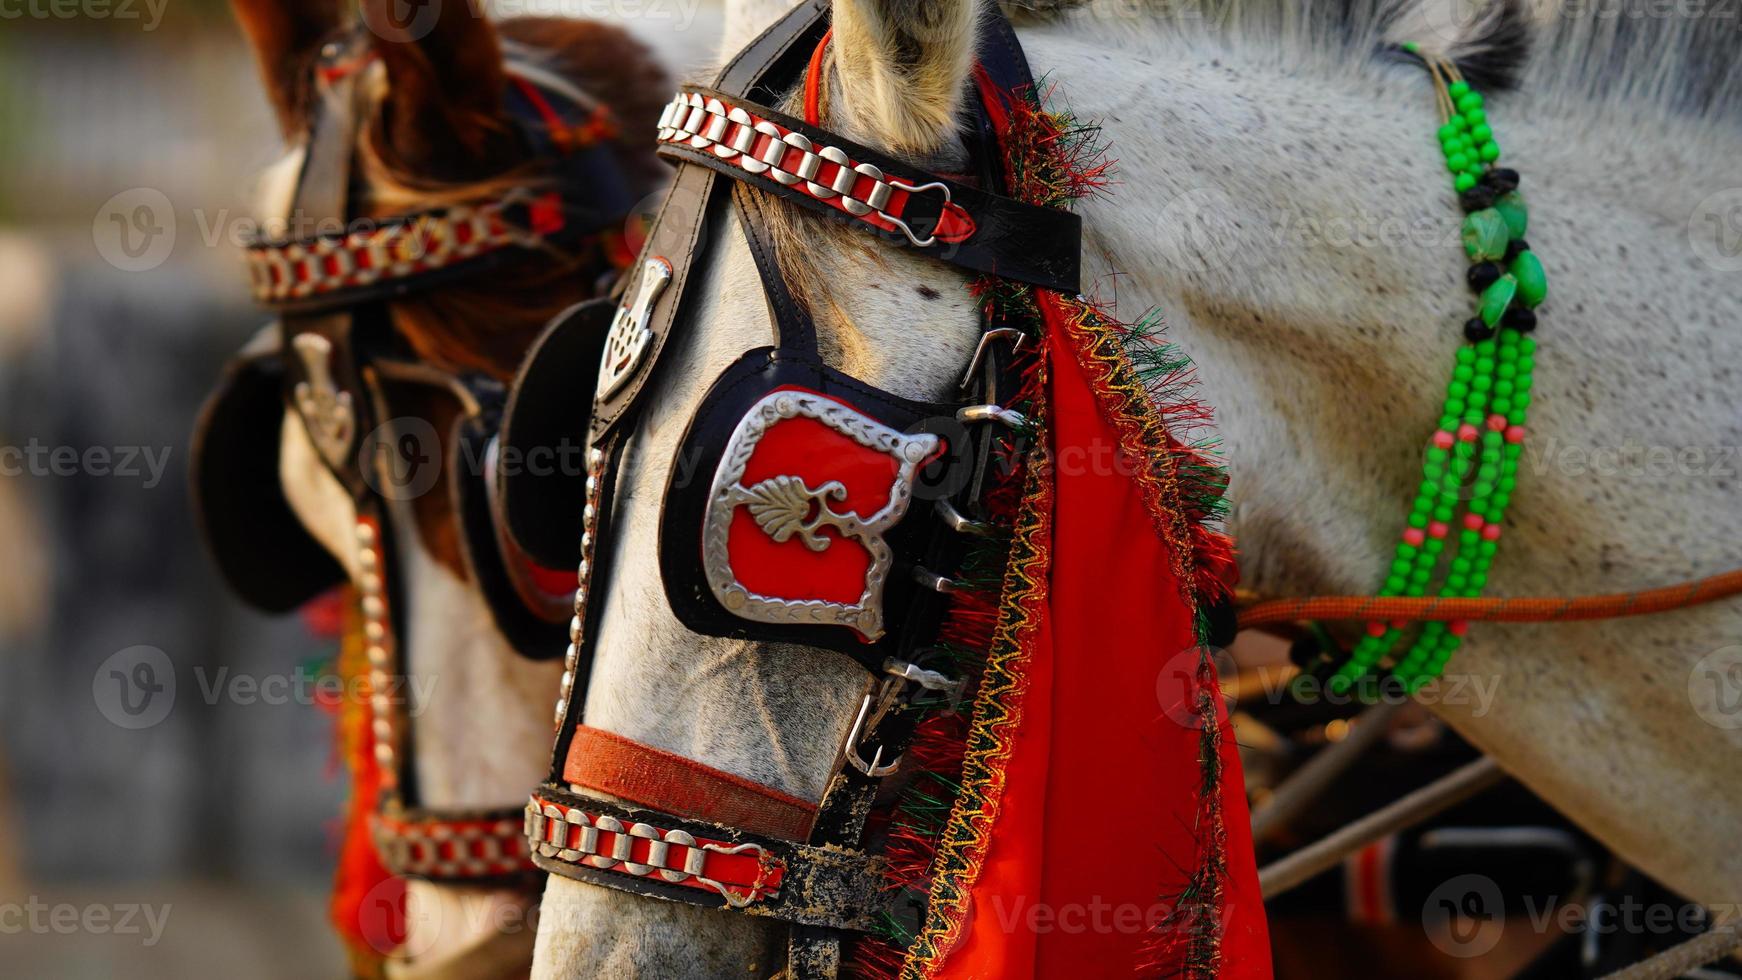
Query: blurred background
131, 134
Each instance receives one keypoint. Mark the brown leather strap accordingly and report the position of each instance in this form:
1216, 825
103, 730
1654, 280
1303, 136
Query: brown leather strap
606, 762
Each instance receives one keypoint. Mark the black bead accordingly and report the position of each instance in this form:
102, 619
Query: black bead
1482, 275
1223, 622
1501, 179
1515, 248
1477, 198
1305, 651
1477, 330
1521, 318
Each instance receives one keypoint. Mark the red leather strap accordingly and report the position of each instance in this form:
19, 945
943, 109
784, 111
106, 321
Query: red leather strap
609, 763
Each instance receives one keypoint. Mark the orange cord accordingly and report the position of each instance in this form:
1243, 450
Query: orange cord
1520, 610
813, 81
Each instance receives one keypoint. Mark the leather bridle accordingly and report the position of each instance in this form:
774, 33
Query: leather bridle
332, 359
675, 828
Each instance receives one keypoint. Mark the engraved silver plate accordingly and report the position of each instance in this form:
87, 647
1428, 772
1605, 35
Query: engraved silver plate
629, 337
786, 506
326, 410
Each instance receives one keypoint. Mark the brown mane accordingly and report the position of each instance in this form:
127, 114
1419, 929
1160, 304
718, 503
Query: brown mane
440, 135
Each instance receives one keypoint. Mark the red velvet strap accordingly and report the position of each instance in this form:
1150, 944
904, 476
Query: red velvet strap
609, 763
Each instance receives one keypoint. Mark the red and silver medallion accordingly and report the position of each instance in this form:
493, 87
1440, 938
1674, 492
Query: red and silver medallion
794, 530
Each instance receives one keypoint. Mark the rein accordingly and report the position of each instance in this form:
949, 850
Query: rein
1455, 611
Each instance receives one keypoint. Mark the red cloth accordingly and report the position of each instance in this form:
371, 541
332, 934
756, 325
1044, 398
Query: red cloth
1101, 821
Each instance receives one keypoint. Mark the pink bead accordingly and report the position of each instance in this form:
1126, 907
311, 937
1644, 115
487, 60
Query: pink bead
1438, 529
1375, 628
1467, 432
1473, 522
1414, 535
1515, 434
1491, 533
1444, 439
1497, 423
1457, 627
1400, 624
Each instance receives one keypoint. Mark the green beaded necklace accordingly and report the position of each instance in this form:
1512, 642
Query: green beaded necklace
1474, 454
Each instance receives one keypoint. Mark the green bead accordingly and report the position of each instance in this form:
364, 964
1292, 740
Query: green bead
1472, 118
1457, 161
1486, 236
1464, 182
1458, 90
1512, 209
1490, 151
1482, 133
1394, 584
1469, 102
1450, 131
1532, 280
1496, 298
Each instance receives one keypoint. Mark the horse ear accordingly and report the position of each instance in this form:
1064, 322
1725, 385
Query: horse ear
444, 114
902, 67
285, 35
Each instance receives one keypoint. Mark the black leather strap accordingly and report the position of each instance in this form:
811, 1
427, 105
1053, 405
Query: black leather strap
678, 227
794, 328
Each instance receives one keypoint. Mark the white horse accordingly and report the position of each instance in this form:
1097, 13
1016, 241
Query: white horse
1282, 199
480, 737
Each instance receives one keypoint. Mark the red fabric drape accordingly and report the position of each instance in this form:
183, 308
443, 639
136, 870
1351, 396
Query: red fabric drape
1101, 824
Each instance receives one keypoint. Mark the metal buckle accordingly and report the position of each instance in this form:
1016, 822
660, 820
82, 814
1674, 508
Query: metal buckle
884, 698
933, 581
1009, 418
903, 185
931, 680
996, 333
960, 523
